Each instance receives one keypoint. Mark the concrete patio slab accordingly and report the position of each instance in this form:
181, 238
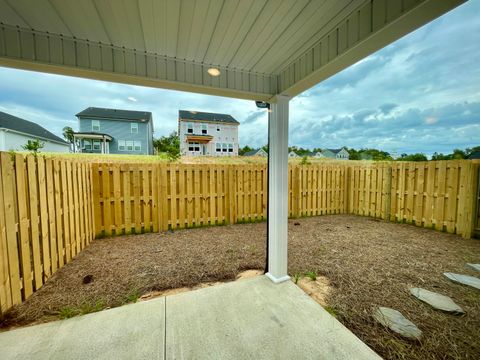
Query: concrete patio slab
256, 319
129, 332
246, 319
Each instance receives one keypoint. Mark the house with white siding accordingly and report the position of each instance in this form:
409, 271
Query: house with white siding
15, 132
207, 134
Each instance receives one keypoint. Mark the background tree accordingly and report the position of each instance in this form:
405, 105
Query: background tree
33, 146
413, 157
244, 150
168, 144
68, 136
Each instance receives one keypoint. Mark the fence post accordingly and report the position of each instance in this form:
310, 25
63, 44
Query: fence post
470, 199
347, 189
388, 191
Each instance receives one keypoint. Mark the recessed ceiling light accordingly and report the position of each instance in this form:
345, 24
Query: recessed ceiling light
214, 71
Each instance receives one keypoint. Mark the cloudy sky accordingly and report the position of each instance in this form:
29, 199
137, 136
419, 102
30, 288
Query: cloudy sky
420, 94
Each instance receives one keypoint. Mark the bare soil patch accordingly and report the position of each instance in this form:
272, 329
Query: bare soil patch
359, 263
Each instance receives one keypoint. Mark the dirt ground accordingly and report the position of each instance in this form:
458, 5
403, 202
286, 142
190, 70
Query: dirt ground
359, 262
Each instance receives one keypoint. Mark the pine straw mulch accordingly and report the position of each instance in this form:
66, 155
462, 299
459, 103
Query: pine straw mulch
368, 263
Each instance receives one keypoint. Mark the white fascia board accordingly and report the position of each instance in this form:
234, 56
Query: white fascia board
39, 51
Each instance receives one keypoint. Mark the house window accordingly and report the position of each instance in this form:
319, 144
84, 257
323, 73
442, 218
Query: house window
204, 129
95, 125
189, 128
193, 146
218, 147
224, 147
230, 147
137, 145
129, 145
121, 145
134, 128
96, 144
87, 145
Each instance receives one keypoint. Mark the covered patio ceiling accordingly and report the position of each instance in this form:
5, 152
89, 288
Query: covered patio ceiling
262, 47
267, 50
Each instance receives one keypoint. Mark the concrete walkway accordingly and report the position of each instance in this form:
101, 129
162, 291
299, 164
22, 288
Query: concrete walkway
247, 319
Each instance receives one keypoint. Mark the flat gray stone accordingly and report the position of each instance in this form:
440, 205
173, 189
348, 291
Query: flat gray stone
395, 321
474, 266
437, 301
464, 279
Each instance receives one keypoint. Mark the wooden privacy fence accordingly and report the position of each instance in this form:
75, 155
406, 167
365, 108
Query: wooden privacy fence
136, 198
434, 194
46, 218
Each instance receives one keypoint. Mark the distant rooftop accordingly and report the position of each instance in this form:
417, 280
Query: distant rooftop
115, 114
14, 123
205, 116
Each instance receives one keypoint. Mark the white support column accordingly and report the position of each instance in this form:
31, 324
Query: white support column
278, 190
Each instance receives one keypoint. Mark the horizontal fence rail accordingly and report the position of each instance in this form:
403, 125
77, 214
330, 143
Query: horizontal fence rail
51, 209
46, 218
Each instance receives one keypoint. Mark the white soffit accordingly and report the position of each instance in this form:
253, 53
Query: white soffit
262, 47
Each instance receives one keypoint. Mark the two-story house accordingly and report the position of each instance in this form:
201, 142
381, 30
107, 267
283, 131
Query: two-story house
113, 131
338, 154
210, 134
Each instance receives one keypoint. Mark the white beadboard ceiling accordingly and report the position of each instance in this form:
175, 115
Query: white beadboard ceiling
260, 37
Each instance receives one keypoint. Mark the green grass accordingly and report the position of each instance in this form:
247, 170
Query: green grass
88, 308
331, 310
312, 275
296, 277
132, 297
67, 312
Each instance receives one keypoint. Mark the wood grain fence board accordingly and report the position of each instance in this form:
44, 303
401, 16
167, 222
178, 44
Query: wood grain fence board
44, 226
147, 208
97, 210
65, 212
23, 226
118, 221
34, 221
164, 196
420, 189
10, 227
5, 291
451, 204
440, 201
58, 213
51, 214
155, 198
81, 192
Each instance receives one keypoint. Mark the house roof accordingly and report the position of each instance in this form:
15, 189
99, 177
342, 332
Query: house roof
207, 117
253, 152
474, 155
335, 151
14, 123
115, 114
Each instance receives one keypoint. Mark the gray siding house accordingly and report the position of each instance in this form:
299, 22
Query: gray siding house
113, 131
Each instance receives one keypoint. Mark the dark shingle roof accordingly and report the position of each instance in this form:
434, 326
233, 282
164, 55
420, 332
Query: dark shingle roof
335, 151
204, 116
14, 123
474, 155
115, 114
251, 152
